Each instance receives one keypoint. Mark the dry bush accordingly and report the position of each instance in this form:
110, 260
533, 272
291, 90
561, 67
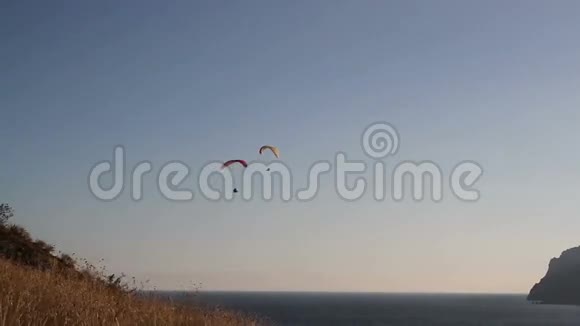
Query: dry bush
29, 296
38, 287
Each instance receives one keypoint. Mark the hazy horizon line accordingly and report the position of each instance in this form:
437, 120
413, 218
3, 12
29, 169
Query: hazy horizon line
344, 292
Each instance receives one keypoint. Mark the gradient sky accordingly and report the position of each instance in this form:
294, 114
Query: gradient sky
491, 81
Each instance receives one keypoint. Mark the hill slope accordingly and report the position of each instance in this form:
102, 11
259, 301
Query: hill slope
39, 288
29, 296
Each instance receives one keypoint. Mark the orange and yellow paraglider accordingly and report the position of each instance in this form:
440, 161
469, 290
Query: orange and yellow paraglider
273, 149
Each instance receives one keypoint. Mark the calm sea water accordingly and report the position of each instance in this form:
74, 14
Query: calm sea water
390, 309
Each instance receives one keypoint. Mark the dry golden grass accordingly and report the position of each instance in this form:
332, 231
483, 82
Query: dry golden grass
30, 296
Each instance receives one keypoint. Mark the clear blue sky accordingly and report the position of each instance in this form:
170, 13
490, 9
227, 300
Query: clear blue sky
491, 81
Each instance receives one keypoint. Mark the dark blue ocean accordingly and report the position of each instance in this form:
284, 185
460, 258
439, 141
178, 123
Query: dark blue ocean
292, 308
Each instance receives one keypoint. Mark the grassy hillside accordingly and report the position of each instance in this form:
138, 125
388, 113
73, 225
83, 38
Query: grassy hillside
39, 288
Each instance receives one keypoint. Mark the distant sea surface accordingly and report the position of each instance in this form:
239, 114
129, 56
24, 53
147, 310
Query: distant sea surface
296, 309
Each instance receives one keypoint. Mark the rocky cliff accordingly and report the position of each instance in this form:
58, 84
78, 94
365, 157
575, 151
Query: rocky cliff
561, 285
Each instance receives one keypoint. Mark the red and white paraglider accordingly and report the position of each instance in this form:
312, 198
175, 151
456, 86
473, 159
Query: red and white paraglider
232, 162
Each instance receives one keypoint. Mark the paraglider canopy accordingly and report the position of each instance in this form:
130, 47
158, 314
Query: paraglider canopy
273, 149
231, 162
